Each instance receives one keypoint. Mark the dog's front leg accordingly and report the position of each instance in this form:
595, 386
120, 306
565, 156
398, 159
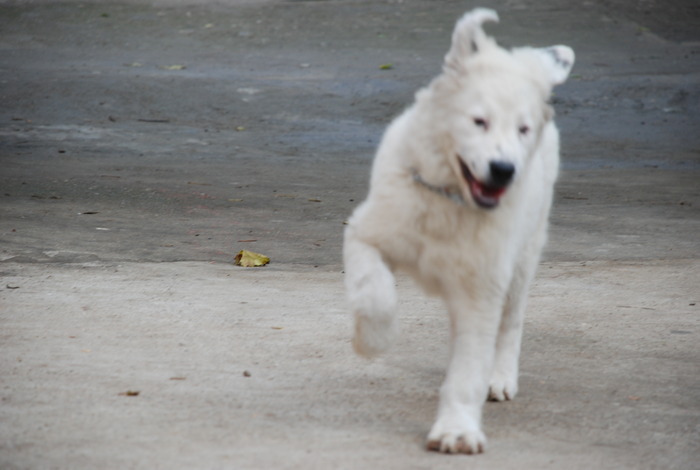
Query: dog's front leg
371, 291
462, 395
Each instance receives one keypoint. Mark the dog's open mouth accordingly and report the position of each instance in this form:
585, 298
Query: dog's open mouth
485, 196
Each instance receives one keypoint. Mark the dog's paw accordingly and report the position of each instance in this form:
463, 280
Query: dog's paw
503, 386
470, 441
374, 334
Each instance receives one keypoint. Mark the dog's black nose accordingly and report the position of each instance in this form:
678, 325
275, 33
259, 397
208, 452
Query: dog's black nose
501, 172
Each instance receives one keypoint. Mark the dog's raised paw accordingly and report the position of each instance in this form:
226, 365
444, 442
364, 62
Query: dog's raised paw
466, 442
374, 334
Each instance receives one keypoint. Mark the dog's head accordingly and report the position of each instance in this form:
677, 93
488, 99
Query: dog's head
496, 105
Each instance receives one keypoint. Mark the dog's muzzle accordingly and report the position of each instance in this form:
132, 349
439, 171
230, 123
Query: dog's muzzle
488, 194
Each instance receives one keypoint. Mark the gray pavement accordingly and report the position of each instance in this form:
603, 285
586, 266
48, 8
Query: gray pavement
142, 144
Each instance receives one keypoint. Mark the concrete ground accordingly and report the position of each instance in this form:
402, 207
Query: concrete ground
143, 144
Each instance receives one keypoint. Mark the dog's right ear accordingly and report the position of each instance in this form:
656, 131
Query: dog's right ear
468, 37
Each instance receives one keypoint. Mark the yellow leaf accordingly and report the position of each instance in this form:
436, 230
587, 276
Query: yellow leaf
250, 259
174, 67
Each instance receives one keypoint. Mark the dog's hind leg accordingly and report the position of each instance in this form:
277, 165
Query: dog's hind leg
371, 291
503, 384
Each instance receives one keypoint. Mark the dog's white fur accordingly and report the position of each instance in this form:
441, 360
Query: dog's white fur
489, 104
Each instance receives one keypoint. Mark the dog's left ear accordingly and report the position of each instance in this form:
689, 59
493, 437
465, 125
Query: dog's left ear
468, 37
556, 62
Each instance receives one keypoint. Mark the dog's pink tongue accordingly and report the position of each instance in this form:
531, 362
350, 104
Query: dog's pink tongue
485, 196
486, 191
492, 192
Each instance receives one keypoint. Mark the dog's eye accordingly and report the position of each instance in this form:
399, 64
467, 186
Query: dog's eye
481, 122
523, 130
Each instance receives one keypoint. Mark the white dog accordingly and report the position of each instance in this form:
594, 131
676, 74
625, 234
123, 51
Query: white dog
459, 198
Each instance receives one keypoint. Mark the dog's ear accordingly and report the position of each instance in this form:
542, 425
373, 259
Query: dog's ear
555, 62
468, 37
